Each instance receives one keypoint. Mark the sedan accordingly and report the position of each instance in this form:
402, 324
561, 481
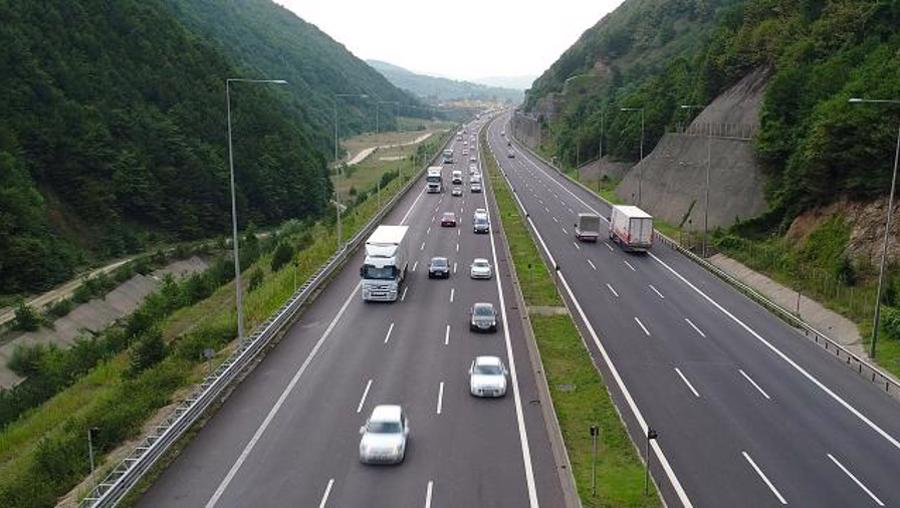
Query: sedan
473, 159
384, 436
480, 269
439, 268
457, 191
487, 377
448, 220
510, 154
475, 187
483, 318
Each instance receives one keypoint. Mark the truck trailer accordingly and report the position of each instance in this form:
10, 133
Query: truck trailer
587, 229
384, 269
631, 227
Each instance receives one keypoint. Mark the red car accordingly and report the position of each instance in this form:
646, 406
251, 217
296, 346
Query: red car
448, 220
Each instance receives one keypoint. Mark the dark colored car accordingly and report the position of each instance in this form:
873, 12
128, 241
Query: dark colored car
439, 268
448, 220
483, 318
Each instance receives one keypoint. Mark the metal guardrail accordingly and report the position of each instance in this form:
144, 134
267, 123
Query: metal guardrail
132, 469
858, 364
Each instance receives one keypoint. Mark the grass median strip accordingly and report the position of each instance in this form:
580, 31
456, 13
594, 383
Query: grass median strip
579, 394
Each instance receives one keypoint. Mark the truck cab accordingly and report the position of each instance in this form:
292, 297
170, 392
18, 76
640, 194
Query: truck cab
434, 180
384, 268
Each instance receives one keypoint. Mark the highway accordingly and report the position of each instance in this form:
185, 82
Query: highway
288, 434
749, 413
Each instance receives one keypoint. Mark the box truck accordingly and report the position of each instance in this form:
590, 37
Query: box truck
434, 180
448, 156
384, 269
631, 227
587, 229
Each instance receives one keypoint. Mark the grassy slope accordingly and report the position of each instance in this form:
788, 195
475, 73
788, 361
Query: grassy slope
620, 473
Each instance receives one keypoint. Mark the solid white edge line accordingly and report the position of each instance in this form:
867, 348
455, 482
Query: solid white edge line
511, 362
688, 383
638, 321
362, 400
592, 264
764, 478
893, 441
413, 205
698, 330
428, 492
275, 408
327, 493
657, 291
440, 401
390, 328
856, 480
613, 291
786, 358
642, 423
752, 382
447, 336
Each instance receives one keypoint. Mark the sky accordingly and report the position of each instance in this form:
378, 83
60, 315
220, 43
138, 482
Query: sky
460, 39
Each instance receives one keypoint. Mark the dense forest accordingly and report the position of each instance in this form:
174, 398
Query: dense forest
114, 125
814, 145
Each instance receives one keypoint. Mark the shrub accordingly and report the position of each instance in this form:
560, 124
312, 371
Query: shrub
890, 321
256, 279
60, 308
282, 256
26, 318
149, 350
26, 360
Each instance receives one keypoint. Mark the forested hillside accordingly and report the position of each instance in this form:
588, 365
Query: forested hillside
114, 128
265, 39
659, 54
443, 89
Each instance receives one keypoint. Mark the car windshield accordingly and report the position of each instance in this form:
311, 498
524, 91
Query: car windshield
384, 273
488, 370
383, 427
439, 262
484, 311
480, 264
449, 216
480, 220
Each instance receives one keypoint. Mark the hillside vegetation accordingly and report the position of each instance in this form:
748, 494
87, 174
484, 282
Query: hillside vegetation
660, 54
114, 125
442, 89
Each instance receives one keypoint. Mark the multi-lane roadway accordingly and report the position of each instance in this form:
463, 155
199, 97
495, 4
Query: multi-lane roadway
288, 435
748, 412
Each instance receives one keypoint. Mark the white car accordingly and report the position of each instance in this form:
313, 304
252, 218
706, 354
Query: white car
487, 377
480, 269
384, 436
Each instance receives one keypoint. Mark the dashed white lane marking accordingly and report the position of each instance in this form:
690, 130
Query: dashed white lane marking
592, 264
613, 291
856, 480
428, 491
656, 291
362, 399
454, 267
576, 245
416, 264
422, 247
403, 296
695, 327
387, 337
447, 336
564, 231
457, 246
764, 478
752, 382
629, 265
452, 292
440, 401
638, 321
428, 232
324, 500
608, 246
688, 383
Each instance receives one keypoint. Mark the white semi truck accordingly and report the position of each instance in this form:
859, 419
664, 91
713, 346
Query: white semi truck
631, 227
434, 180
448, 156
384, 269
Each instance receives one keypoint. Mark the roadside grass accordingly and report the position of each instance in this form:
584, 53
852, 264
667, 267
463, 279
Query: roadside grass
41, 453
580, 397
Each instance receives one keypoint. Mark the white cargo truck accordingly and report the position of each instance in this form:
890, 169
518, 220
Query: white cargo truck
587, 229
384, 269
434, 180
631, 227
448, 156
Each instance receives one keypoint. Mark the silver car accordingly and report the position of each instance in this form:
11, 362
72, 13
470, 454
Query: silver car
384, 436
487, 377
480, 269
483, 318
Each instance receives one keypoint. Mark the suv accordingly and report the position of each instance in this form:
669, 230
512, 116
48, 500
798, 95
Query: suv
483, 318
439, 268
475, 186
481, 224
384, 436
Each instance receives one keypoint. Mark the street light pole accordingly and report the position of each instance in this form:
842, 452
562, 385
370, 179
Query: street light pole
238, 291
708, 166
887, 226
641, 173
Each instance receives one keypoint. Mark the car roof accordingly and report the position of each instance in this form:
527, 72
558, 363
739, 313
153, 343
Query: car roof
439, 258
483, 304
488, 360
386, 413
446, 214
476, 260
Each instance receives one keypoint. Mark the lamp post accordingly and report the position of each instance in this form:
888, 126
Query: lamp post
706, 192
234, 231
337, 197
641, 173
887, 225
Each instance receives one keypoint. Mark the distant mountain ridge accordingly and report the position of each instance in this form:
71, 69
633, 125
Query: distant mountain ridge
442, 89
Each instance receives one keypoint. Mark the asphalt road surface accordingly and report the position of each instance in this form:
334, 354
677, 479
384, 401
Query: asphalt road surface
288, 435
748, 412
